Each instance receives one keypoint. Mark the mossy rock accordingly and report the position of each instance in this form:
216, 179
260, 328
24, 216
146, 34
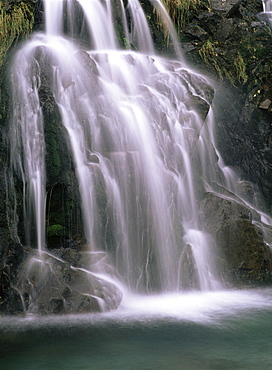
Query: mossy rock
16, 20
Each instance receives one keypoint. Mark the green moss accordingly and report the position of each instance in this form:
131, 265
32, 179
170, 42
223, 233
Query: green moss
121, 37
179, 10
208, 53
55, 230
14, 22
237, 72
54, 158
240, 68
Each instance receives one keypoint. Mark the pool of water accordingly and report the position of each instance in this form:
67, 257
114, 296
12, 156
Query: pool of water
219, 330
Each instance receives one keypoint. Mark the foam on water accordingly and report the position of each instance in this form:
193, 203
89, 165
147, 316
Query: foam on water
205, 308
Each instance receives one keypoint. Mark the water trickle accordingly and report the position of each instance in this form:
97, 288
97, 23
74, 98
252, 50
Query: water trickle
267, 10
138, 135
28, 155
267, 6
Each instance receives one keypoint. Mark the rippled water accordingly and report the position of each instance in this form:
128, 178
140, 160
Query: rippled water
223, 330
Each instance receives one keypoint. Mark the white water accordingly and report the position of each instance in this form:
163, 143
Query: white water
205, 307
131, 111
267, 6
28, 156
208, 308
267, 10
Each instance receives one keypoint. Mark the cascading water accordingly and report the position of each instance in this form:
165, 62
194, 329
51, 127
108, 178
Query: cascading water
28, 155
267, 6
135, 135
267, 10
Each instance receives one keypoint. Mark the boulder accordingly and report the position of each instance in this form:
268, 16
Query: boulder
244, 257
48, 284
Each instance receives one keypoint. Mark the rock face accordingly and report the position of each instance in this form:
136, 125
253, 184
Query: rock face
243, 255
11, 258
234, 42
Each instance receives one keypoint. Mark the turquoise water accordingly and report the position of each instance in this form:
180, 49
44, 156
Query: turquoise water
226, 330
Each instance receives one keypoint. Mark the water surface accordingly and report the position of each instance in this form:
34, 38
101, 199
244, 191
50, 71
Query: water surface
222, 330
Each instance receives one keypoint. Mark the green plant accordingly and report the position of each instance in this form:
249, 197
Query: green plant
208, 53
56, 230
179, 10
14, 23
240, 68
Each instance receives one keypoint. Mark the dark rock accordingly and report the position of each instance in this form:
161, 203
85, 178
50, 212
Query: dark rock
225, 29
199, 104
10, 262
189, 278
244, 255
224, 6
48, 284
209, 21
194, 31
265, 104
238, 51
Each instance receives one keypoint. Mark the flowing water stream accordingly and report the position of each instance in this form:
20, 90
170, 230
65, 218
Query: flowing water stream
132, 123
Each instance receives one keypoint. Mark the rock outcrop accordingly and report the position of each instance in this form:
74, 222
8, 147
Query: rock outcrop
232, 40
65, 281
243, 256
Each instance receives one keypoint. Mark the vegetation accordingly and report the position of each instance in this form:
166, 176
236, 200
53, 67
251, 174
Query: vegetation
240, 68
209, 54
178, 10
56, 230
14, 22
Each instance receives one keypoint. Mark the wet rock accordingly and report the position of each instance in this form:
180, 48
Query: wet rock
195, 31
238, 51
244, 255
65, 281
198, 104
209, 21
48, 284
224, 29
189, 279
266, 104
10, 261
224, 6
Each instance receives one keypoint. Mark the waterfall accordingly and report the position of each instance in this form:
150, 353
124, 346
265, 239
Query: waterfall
267, 11
136, 134
27, 142
267, 6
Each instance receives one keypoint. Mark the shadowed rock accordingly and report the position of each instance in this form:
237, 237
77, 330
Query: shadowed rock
50, 285
244, 255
